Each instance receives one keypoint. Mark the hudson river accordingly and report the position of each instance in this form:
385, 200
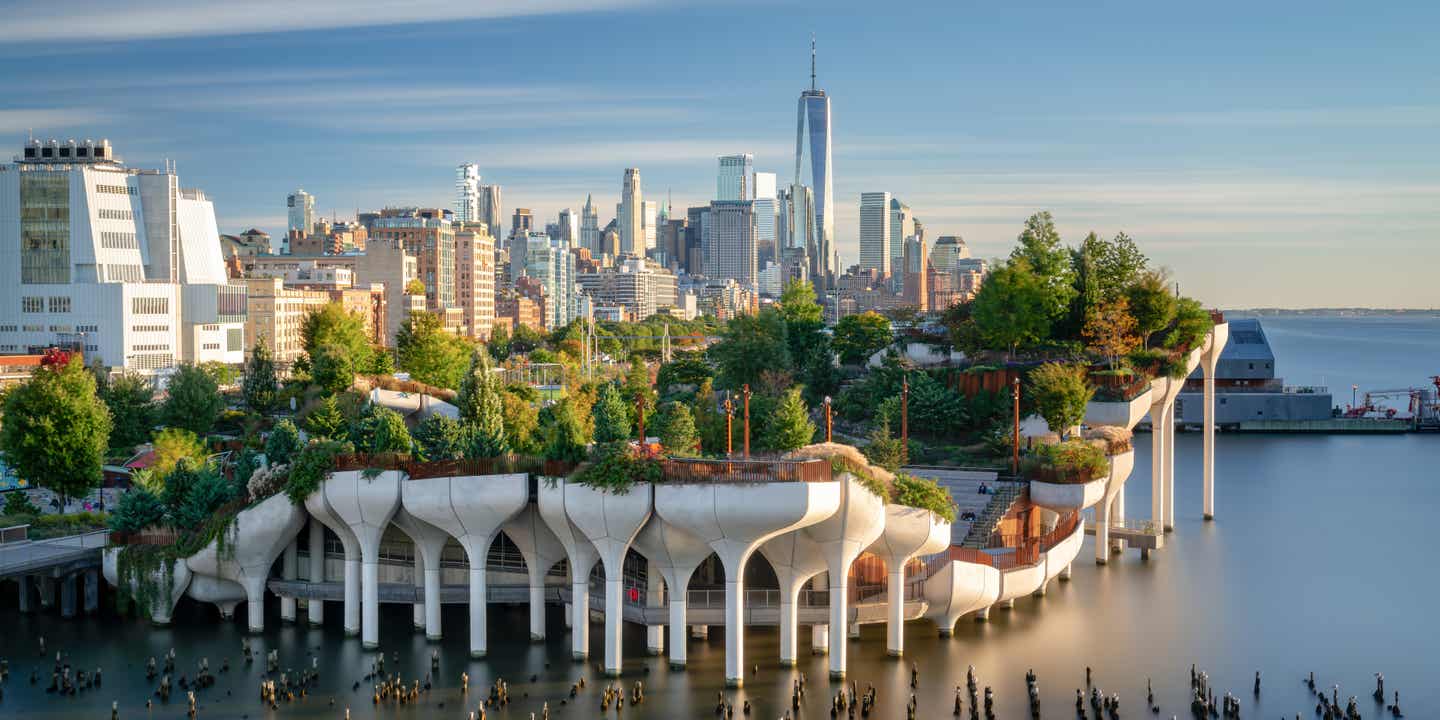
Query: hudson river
1321, 559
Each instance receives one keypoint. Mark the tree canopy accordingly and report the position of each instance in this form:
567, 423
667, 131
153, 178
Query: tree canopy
429, 352
752, 345
859, 336
130, 397
56, 429
259, 388
1013, 308
193, 400
332, 324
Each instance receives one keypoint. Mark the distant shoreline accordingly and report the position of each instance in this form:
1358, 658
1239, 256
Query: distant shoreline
1336, 312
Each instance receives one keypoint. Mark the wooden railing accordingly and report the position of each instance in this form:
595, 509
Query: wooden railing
687, 470
148, 536
1023, 552
420, 469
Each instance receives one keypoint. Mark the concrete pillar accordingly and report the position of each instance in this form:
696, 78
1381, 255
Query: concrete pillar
819, 639
432, 599
92, 591
1157, 463
789, 628
614, 617
654, 598
26, 594
1006, 604
254, 602
700, 632
852, 631
1170, 466
895, 613
417, 609
677, 630
67, 596
1117, 517
315, 609
1044, 587
47, 591
734, 627
479, 642
352, 595
537, 603
982, 614
1102, 533
1208, 450
1065, 574
289, 570
580, 615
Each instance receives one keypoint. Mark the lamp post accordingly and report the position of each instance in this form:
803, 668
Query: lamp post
745, 395
827, 418
1015, 458
729, 426
905, 419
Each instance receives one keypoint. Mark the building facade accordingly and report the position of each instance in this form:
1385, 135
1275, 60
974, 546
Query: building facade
731, 252
640, 285
428, 234
813, 169
875, 232
629, 216
733, 182
467, 193
590, 226
475, 278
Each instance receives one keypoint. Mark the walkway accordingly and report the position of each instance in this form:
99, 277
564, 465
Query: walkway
55, 557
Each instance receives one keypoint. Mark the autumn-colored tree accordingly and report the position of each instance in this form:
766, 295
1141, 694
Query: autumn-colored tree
1110, 329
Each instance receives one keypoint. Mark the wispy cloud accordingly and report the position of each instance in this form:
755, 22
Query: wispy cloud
91, 20
1393, 116
45, 120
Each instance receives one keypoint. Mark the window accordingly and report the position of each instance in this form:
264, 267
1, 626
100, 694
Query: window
150, 306
34, 328
92, 348
61, 329
235, 339
59, 304
32, 304
150, 348
149, 328
44, 228
124, 273
211, 346
115, 189
84, 328
7, 328
151, 361
118, 241
109, 214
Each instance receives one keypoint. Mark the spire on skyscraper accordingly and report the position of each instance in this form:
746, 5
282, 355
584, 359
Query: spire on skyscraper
812, 62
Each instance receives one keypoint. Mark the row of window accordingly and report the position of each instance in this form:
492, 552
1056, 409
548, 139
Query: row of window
115, 189
211, 346
151, 348
55, 304
150, 306
124, 273
151, 361
149, 328
118, 241
109, 214
87, 328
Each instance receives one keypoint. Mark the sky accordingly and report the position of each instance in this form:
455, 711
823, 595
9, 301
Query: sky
1270, 154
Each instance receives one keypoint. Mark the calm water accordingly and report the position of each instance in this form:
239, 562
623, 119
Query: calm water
1319, 560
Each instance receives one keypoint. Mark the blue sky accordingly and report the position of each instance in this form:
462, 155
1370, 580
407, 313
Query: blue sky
1269, 153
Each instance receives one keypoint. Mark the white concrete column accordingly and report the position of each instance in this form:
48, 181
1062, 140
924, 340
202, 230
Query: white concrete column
1102, 533
580, 616
677, 630
614, 619
819, 639
1157, 463
1170, 466
789, 628
315, 609
541, 550
25, 593
536, 580
1067, 572
432, 600
1117, 517
370, 598
352, 595
289, 570
417, 609
1208, 451
254, 602
734, 627
895, 613
478, 616
654, 598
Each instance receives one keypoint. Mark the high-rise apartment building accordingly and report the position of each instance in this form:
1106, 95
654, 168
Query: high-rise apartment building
730, 242
766, 220
429, 235
522, 223
813, 169
670, 246
734, 179
120, 263
590, 226
569, 228
475, 278
916, 268
302, 211
630, 215
875, 232
902, 226
492, 211
467, 193
692, 258
551, 264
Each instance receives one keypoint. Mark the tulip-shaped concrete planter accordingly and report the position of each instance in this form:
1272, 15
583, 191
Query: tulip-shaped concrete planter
842, 537
429, 543
1111, 509
796, 558
581, 556
735, 519
320, 510
162, 605
957, 588
541, 550
266, 529
224, 594
1062, 497
471, 508
674, 554
609, 521
909, 533
366, 501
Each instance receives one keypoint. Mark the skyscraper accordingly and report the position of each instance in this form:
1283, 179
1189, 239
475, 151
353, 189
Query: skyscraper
302, 211
629, 217
467, 193
902, 226
730, 251
569, 227
648, 212
733, 181
875, 232
590, 226
520, 226
766, 228
491, 210
813, 168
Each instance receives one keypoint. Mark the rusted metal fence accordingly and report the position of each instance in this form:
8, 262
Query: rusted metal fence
686, 470
419, 469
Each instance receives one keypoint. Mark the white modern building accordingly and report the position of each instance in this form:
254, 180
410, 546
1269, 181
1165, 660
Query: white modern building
733, 182
649, 222
122, 263
629, 216
491, 210
875, 232
550, 262
569, 228
467, 193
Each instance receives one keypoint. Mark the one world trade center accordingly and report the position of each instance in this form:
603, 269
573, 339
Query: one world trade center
813, 171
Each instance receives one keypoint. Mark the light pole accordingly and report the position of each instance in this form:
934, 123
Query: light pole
1353, 389
1015, 456
729, 426
905, 419
827, 418
745, 395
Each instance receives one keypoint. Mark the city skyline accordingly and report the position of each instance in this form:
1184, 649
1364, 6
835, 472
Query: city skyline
1218, 140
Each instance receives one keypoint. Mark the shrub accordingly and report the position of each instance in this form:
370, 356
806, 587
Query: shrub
617, 468
923, 493
206, 495
1192, 323
1074, 461
677, 429
1060, 393
440, 438
138, 509
17, 502
862, 473
310, 468
267, 481
883, 449
1116, 439
283, 443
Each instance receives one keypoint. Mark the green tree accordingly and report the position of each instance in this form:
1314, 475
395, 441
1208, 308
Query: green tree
260, 387
56, 429
565, 435
751, 345
382, 362
429, 352
1060, 393
332, 368
521, 422
687, 368
194, 400
797, 303
206, 494
637, 384
1118, 265
1040, 249
177, 485
17, 502
138, 509
331, 324
283, 443
482, 406
175, 445
883, 449
499, 344
789, 427
384, 431
440, 437
326, 420
1151, 304
612, 416
1012, 309
677, 430
130, 397
857, 337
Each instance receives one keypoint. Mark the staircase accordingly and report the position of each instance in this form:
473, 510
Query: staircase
1004, 497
